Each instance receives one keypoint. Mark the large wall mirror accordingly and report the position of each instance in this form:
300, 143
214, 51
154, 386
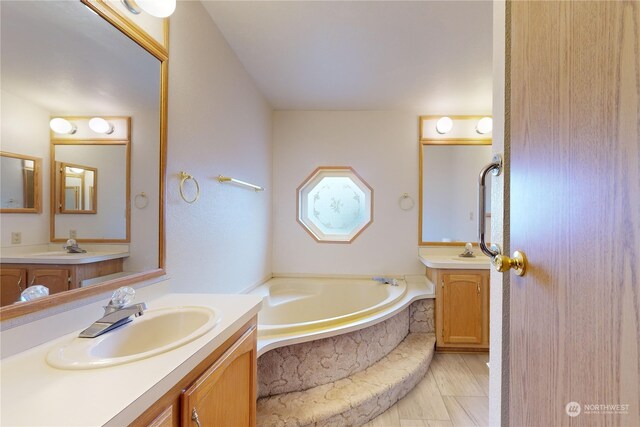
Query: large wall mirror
83, 59
449, 168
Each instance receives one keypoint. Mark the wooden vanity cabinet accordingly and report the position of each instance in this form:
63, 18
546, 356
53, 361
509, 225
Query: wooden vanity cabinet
462, 309
221, 389
56, 277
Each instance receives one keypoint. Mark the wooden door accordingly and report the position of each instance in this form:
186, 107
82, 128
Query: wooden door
12, 282
463, 311
225, 395
573, 91
56, 279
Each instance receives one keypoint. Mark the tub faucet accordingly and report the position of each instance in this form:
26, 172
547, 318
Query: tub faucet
116, 313
386, 280
72, 247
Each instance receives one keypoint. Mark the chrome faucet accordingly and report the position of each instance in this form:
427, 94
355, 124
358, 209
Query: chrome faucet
116, 313
72, 247
468, 251
386, 280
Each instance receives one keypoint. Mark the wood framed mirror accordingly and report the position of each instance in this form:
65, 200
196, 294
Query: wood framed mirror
77, 188
449, 167
21, 183
98, 64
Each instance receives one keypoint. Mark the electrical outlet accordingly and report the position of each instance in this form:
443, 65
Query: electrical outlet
16, 238
73, 234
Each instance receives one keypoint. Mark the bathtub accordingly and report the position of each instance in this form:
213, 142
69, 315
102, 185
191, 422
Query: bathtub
297, 310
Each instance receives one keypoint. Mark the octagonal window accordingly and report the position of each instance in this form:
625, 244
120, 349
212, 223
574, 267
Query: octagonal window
335, 204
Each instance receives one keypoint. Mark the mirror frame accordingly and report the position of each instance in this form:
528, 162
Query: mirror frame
62, 187
145, 41
37, 184
440, 141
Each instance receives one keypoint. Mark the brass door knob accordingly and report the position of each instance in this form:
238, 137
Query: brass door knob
503, 263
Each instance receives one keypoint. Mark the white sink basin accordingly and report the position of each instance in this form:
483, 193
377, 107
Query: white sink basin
156, 332
50, 253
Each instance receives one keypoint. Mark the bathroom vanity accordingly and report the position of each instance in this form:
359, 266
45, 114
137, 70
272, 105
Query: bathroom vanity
58, 271
212, 377
462, 301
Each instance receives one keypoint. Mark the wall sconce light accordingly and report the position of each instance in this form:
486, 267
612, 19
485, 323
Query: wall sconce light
100, 125
62, 126
157, 8
444, 125
485, 125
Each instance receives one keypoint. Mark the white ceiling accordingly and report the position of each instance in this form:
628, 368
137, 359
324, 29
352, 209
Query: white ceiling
426, 56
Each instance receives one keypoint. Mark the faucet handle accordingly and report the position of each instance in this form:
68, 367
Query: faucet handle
122, 296
468, 247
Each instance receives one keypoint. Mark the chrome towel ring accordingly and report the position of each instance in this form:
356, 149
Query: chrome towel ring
406, 202
141, 200
184, 177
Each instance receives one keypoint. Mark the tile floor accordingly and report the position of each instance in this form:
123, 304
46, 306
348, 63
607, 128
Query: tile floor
453, 393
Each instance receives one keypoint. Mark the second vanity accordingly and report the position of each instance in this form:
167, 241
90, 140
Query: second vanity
462, 299
58, 270
210, 378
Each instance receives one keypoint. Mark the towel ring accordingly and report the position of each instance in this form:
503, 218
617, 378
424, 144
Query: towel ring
406, 206
184, 177
141, 200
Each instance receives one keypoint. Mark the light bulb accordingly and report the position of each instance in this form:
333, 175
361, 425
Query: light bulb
75, 170
485, 125
100, 125
444, 125
62, 126
157, 8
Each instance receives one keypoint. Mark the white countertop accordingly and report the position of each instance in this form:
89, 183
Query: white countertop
61, 257
33, 393
453, 261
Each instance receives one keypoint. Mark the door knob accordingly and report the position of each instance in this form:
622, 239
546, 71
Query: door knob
503, 263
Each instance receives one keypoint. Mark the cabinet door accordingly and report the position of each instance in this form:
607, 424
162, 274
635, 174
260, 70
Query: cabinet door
12, 282
462, 297
56, 279
225, 395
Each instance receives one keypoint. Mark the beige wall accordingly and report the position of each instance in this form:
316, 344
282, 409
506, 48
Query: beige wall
382, 146
219, 123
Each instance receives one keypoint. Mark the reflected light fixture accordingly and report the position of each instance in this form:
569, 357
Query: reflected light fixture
100, 125
444, 125
485, 125
75, 170
157, 8
62, 126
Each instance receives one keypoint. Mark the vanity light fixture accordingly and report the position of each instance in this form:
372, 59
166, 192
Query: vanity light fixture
100, 125
444, 125
62, 126
485, 125
157, 8
75, 170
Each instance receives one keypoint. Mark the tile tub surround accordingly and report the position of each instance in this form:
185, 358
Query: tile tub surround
354, 400
302, 366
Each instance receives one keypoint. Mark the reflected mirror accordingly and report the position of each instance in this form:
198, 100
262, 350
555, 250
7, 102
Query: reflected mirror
69, 59
20, 181
449, 192
77, 188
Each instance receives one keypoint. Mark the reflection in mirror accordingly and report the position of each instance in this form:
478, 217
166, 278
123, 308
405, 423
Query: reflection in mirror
450, 192
69, 59
20, 183
101, 190
78, 189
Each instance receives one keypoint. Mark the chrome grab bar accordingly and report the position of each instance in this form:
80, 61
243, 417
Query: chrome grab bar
495, 167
